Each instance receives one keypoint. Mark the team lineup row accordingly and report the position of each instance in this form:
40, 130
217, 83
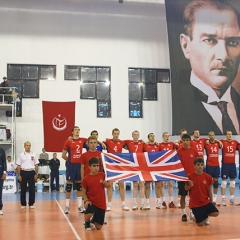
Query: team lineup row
77, 166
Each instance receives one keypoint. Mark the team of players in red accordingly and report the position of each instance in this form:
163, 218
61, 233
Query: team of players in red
187, 153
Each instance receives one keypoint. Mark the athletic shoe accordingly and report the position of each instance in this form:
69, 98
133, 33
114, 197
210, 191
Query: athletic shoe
206, 222
23, 207
124, 207
171, 205
92, 225
224, 202
67, 210
184, 218
164, 205
147, 207
232, 202
142, 207
109, 207
135, 207
87, 226
191, 217
81, 209
159, 206
216, 204
31, 207
1, 212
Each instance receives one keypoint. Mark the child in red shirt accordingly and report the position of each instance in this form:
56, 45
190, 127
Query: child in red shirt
199, 186
94, 195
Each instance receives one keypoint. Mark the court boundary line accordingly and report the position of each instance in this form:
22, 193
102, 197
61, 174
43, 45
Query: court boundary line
68, 221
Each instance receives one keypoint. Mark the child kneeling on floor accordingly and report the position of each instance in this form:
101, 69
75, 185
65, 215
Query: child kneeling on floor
200, 192
94, 196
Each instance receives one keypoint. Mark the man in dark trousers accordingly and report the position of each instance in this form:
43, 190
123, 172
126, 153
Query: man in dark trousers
27, 174
3, 169
54, 165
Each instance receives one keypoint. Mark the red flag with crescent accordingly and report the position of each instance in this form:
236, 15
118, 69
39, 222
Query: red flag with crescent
58, 121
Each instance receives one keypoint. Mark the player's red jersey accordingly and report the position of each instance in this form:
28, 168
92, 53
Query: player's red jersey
180, 144
229, 151
199, 193
84, 159
150, 147
134, 146
95, 189
114, 146
199, 145
163, 146
187, 157
74, 149
212, 153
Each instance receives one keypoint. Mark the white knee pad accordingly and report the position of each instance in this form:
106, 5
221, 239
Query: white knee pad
232, 184
224, 184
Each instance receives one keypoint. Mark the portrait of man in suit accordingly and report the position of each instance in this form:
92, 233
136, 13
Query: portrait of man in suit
210, 41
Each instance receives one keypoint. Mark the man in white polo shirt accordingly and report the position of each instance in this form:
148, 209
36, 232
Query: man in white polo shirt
27, 174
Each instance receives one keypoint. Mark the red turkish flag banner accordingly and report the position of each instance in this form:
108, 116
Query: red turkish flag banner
58, 121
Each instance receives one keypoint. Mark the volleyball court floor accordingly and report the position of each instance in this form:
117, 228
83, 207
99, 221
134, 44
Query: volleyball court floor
48, 221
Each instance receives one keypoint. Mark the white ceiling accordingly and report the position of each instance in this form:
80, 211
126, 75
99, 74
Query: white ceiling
129, 7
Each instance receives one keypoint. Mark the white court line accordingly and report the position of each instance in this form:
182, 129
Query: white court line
69, 223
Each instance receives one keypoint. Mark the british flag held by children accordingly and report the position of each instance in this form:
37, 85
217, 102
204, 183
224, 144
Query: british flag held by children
147, 166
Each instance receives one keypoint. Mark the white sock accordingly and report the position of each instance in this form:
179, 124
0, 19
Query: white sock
184, 211
109, 203
142, 200
135, 200
79, 201
67, 202
170, 198
223, 197
214, 197
147, 201
123, 202
158, 200
232, 197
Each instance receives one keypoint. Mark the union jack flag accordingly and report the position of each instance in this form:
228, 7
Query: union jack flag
147, 166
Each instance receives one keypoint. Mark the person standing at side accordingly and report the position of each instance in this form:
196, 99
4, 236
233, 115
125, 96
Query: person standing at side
54, 165
3, 174
27, 174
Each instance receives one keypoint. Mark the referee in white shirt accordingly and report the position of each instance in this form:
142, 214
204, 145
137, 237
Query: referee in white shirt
27, 174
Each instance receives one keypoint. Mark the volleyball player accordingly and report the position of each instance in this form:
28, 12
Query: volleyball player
136, 145
152, 146
71, 153
115, 145
229, 167
212, 163
165, 146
